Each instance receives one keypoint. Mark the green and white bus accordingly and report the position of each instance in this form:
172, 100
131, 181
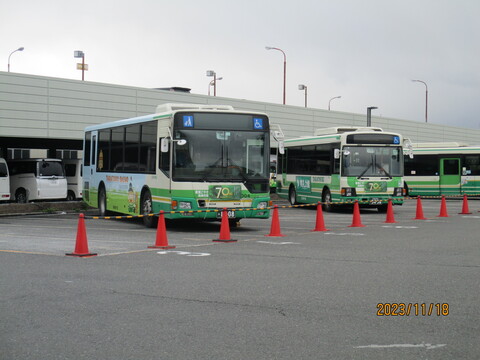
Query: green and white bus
183, 158
340, 165
443, 169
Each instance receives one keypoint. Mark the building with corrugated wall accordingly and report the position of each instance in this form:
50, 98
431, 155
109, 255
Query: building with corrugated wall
41, 112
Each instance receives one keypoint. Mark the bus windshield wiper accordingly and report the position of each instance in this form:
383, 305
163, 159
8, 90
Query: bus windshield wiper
364, 171
385, 171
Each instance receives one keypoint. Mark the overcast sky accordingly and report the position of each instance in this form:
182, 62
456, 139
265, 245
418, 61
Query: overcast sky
366, 51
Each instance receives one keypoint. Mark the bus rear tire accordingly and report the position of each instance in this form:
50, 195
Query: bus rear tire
149, 221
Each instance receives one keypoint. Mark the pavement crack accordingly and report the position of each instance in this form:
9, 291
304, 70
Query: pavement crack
201, 301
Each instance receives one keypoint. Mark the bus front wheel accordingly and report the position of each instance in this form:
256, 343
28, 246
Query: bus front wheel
148, 221
102, 201
327, 201
292, 196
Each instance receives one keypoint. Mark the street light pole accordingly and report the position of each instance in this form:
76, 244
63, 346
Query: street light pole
214, 74
19, 49
369, 115
336, 97
284, 70
213, 82
80, 54
426, 97
303, 87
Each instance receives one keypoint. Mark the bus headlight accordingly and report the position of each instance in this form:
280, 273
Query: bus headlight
262, 205
348, 192
398, 191
184, 205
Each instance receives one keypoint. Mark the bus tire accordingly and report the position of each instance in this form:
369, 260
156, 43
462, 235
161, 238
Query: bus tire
327, 201
233, 223
21, 196
382, 209
292, 196
146, 207
102, 201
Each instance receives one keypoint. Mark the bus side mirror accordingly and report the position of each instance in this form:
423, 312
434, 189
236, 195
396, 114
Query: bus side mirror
164, 145
336, 153
281, 147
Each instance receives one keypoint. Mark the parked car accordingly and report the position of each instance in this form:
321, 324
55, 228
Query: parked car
37, 179
4, 181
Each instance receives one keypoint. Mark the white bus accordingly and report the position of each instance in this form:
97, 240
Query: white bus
183, 158
443, 169
37, 179
4, 181
340, 165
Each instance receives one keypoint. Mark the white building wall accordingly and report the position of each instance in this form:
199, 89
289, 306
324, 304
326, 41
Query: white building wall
45, 107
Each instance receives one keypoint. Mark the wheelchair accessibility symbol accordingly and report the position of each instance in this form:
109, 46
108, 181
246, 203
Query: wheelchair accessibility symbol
258, 124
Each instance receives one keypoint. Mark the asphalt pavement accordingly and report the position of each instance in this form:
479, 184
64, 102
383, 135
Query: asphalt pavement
405, 290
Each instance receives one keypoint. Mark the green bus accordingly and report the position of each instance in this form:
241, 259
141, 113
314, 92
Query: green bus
443, 169
188, 160
340, 165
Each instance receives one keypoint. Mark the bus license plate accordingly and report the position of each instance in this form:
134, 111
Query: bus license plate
375, 201
230, 214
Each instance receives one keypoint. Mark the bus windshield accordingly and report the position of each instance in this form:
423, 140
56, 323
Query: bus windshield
217, 155
376, 161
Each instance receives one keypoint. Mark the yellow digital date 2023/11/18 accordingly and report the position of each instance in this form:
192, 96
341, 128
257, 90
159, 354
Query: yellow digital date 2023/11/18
413, 309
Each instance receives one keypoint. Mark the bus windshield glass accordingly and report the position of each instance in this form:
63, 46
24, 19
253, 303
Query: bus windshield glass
219, 155
368, 161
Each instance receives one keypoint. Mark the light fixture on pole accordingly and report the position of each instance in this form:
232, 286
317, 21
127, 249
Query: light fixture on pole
284, 70
426, 97
14, 51
303, 87
336, 97
369, 115
212, 82
80, 54
214, 74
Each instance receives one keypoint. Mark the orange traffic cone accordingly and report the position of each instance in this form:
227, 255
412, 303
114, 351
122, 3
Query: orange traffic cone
161, 241
443, 208
320, 223
357, 221
419, 215
81, 245
224, 229
275, 227
390, 216
465, 209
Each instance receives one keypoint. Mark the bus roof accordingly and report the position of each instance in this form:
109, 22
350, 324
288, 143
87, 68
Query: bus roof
164, 111
170, 107
336, 134
437, 145
341, 130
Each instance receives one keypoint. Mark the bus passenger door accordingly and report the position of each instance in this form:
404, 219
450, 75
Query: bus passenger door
89, 162
450, 176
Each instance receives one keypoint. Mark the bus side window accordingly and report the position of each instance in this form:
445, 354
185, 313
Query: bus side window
164, 161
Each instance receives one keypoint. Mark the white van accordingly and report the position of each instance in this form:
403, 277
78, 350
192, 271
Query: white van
73, 172
4, 181
37, 179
